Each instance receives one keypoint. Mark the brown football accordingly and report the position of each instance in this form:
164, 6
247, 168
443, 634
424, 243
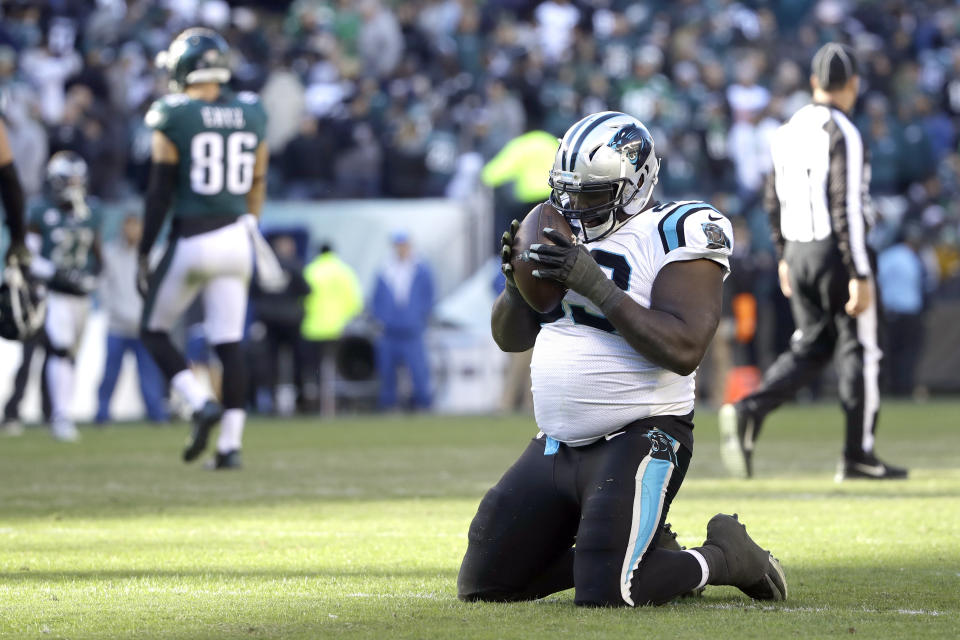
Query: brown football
542, 295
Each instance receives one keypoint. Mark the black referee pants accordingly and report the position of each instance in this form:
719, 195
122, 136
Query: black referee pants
820, 291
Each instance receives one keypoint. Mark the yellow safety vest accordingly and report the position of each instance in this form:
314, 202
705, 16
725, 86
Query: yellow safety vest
526, 160
335, 298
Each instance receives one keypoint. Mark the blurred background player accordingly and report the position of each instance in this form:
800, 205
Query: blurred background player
279, 315
18, 256
122, 302
209, 161
820, 214
64, 235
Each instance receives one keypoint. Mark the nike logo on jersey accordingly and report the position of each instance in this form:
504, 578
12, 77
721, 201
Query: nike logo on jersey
611, 436
710, 217
870, 469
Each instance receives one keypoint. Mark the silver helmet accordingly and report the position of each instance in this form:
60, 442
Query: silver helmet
66, 180
605, 162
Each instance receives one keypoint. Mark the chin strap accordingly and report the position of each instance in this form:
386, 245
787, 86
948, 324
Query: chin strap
599, 231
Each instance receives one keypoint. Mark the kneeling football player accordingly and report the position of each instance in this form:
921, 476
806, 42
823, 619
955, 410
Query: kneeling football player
613, 385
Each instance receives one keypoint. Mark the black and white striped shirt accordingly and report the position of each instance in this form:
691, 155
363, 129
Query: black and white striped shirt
820, 184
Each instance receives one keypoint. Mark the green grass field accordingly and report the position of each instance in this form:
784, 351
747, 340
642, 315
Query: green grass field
355, 528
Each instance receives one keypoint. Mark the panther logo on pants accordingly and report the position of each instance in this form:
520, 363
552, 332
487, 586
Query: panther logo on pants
661, 446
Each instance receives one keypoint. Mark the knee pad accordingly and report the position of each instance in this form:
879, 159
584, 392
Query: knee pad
234, 374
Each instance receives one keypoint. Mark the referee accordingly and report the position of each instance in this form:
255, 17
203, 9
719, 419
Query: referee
819, 205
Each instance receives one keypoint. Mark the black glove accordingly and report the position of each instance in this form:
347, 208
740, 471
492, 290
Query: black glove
569, 263
19, 253
73, 281
143, 275
506, 252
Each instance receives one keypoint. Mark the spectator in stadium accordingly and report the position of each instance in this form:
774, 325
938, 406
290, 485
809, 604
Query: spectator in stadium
123, 304
817, 201
306, 177
402, 303
334, 298
902, 280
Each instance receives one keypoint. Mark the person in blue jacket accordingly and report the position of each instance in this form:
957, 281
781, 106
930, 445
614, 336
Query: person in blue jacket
402, 302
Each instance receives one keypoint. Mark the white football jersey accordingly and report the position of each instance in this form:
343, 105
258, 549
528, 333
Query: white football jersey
587, 381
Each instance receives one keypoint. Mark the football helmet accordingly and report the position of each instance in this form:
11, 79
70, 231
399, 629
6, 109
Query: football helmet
23, 303
196, 55
606, 163
66, 180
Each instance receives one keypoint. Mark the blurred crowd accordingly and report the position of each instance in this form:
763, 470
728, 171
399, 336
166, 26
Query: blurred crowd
382, 98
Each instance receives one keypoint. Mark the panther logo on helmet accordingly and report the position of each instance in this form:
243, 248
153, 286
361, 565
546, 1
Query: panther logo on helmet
605, 163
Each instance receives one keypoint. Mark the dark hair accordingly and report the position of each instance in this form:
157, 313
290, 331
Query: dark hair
833, 66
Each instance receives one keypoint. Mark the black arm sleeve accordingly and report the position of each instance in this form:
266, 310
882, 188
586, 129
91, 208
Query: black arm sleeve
12, 196
771, 203
163, 179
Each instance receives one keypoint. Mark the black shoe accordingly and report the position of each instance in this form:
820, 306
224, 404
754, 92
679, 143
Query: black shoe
738, 431
668, 541
869, 468
750, 568
229, 460
203, 421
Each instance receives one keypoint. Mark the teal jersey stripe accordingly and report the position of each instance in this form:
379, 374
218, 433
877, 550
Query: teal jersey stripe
671, 226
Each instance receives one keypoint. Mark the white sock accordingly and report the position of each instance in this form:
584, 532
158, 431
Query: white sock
60, 385
231, 430
703, 567
187, 385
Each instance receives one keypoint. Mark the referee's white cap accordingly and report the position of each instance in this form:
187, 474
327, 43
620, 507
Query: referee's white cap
833, 65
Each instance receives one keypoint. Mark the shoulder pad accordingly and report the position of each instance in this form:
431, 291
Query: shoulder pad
161, 110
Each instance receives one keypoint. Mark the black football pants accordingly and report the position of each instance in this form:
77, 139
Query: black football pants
585, 517
820, 291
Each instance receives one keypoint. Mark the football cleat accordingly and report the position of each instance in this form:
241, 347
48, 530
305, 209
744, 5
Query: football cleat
11, 428
223, 461
868, 468
738, 432
750, 568
64, 431
204, 420
668, 541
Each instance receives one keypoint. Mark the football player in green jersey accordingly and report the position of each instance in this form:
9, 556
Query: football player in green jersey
209, 169
64, 236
